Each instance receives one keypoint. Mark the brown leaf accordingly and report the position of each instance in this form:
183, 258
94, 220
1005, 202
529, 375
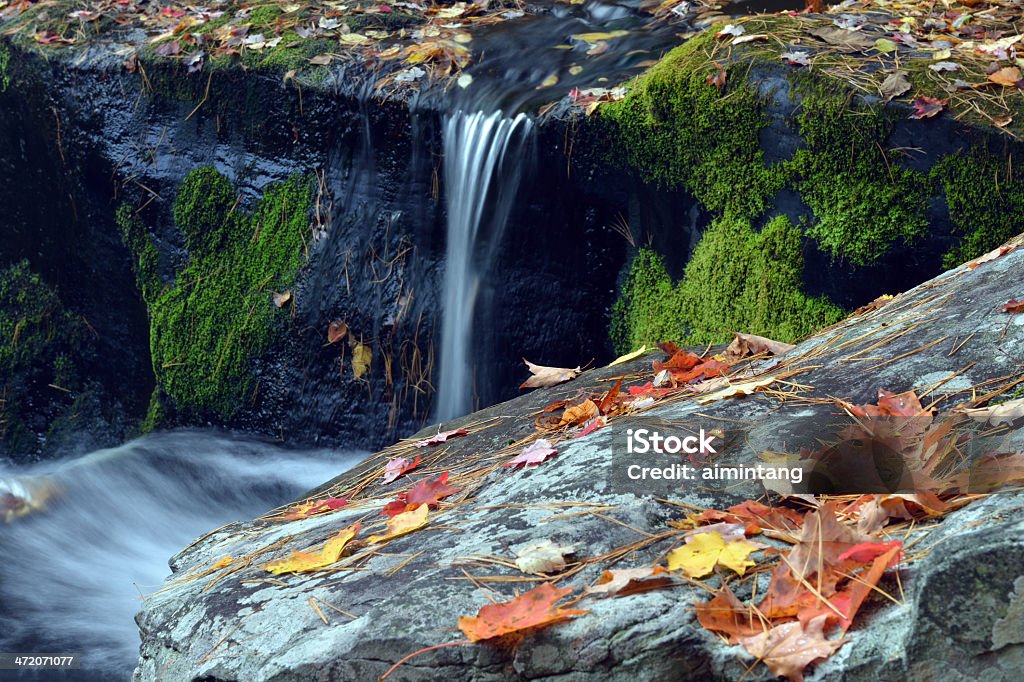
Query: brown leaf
717, 79
1013, 306
751, 344
789, 648
1007, 76
727, 614
282, 299
336, 331
894, 85
547, 376
854, 40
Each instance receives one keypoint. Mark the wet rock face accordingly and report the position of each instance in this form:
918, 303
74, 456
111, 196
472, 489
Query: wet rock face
372, 258
961, 599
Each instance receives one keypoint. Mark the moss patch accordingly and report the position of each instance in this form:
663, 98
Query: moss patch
41, 347
5, 63
863, 202
737, 280
207, 329
680, 131
985, 199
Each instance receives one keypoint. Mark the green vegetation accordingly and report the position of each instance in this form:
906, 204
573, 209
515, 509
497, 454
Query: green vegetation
737, 280
985, 199
680, 131
41, 344
862, 201
5, 62
206, 329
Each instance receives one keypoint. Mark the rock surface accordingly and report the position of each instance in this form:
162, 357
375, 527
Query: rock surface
960, 599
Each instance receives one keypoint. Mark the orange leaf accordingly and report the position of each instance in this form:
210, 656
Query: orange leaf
535, 608
611, 399
681, 361
725, 613
1013, 306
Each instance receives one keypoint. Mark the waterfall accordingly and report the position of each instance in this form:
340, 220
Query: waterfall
73, 571
480, 150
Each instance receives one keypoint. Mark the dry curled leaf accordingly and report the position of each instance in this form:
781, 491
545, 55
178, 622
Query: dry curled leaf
789, 648
547, 376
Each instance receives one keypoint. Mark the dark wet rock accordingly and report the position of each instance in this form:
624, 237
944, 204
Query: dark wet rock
961, 606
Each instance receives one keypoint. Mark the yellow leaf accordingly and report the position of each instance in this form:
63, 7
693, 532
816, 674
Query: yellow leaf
301, 562
355, 39
591, 38
403, 523
362, 355
226, 561
735, 554
550, 81
629, 356
697, 558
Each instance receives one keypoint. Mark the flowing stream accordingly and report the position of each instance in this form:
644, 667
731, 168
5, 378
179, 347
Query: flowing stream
72, 572
483, 164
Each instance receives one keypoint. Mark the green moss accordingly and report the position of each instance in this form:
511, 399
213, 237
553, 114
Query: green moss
206, 330
677, 130
5, 62
41, 345
145, 258
863, 202
156, 414
737, 280
985, 199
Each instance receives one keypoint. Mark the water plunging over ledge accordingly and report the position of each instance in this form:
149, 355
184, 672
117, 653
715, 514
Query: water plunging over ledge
480, 150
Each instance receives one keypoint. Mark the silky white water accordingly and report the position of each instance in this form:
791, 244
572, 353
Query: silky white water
71, 574
482, 168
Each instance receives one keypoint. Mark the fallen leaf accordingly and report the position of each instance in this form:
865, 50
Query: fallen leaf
1007, 76
543, 556
430, 492
854, 40
362, 356
547, 376
441, 437
628, 356
398, 466
303, 562
717, 79
680, 361
308, 509
751, 344
731, 30
535, 608
884, 45
620, 582
699, 557
537, 452
894, 85
927, 107
577, 414
727, 614
336, 331
944, 66
597, 37
282, 299
789, 648
796, 58
745, 388
611, 399
994, 415
1013, 306
991, 256
403, 523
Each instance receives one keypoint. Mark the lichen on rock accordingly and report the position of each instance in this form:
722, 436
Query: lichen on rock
218, 317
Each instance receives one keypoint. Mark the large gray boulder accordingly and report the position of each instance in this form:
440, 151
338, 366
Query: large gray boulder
960, 594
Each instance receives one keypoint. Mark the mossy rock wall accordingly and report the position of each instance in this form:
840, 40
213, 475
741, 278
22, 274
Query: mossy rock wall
880, 201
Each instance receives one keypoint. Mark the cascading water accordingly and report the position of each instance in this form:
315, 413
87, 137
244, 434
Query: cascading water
482, 168
72, 573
